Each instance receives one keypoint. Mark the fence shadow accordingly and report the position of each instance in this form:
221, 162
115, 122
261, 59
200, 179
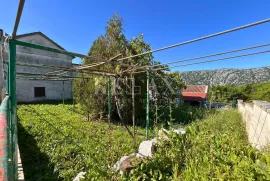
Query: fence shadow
36, 165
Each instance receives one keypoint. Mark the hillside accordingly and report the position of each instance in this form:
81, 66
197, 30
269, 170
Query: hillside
227, 76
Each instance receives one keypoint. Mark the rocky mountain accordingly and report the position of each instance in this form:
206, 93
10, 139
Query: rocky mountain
227, 76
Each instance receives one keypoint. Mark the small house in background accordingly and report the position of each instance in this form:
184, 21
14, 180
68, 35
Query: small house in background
195, 94
40, 90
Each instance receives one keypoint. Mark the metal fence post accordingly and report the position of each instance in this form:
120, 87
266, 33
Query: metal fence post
12, 109
147, 104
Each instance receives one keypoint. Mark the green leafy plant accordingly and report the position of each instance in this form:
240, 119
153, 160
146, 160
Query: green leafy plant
57, 143
213, 149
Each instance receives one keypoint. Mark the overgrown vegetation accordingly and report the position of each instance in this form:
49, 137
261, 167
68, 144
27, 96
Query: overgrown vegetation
258, 91
57, 143
213, 149
91, 92
177, 114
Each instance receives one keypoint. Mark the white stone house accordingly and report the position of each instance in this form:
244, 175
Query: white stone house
37, 90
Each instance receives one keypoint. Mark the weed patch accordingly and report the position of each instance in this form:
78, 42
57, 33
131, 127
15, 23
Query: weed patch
213, 149
56, 144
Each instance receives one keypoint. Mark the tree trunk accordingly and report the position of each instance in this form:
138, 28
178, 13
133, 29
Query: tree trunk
119, 113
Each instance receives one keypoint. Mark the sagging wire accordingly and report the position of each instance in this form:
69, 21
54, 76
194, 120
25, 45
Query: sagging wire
207, 61
199, 39
200, 57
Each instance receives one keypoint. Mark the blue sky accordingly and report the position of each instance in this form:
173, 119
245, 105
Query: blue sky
76, 24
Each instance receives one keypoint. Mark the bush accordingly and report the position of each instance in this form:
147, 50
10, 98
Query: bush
213, 149
56, 144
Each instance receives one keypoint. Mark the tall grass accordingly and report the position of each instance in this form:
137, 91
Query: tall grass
213, 149
56, 144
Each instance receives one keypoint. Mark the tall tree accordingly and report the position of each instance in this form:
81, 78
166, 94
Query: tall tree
106, 46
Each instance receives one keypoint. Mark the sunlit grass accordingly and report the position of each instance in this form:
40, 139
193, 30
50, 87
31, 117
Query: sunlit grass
62, 143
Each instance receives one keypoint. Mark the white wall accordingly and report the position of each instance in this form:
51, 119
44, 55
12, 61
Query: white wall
257, 118
53, 89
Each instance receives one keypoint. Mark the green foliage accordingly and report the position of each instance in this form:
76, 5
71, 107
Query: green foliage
184, 114
213, 149
56, 144
106, 46
113, 43
180, 114
258, 91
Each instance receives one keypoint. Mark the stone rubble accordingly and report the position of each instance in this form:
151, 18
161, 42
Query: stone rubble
146, 149
79, 176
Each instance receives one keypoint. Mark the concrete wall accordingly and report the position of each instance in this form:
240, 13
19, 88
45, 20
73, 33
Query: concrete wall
2, 83
53, 89
257, 118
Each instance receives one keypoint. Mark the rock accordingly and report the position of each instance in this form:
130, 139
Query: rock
180, 130
139, 155
128, 164
227, 107
117, 164
163, 133
125, 163
154, 140
80, 175
146, 149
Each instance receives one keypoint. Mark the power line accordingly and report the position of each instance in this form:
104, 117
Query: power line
205, 56
198, 39
207, 61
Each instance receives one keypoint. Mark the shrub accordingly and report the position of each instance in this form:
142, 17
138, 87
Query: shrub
213, 149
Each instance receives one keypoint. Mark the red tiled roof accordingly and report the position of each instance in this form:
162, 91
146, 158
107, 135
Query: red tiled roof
193, 96
196, 88
195, 92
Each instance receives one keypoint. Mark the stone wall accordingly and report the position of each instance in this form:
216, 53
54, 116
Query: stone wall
257, 118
